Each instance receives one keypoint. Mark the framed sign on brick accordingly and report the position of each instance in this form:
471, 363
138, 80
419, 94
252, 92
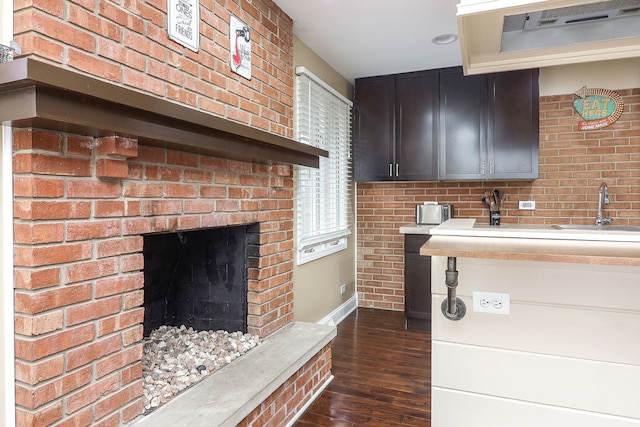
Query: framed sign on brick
184, 22
598, 107
240, 47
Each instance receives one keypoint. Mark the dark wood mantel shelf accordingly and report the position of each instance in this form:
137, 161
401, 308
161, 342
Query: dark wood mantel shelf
40, 95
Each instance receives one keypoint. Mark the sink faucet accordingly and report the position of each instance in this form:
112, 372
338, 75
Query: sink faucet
603, 199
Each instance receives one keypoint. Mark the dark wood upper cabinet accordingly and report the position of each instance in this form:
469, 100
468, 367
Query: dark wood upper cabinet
395, 127
462, 136
513, 124
416, 131
489, 125
440, 124
374, 128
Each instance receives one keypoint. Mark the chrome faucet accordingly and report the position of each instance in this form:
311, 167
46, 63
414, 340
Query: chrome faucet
603, 199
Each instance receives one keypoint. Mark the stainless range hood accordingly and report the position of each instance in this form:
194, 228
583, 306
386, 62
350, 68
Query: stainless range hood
601, 11
501, 35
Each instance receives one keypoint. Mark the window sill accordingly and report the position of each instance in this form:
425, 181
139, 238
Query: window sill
320, 250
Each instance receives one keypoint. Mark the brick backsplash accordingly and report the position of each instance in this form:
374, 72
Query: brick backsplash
572, 165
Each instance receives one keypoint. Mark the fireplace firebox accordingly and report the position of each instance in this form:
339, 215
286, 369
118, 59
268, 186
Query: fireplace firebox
197, 279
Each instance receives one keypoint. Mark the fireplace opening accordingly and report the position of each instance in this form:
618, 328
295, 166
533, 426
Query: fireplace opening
195, 307
197, 279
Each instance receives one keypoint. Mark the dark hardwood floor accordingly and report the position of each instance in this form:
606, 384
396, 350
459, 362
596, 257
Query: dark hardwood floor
382, 375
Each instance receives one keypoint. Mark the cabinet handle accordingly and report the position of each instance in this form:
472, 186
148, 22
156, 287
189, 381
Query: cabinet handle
390, 169
397, 169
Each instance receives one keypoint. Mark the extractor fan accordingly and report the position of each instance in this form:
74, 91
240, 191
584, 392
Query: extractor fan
501, 35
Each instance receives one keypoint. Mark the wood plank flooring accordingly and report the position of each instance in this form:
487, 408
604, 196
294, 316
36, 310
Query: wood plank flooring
382, 375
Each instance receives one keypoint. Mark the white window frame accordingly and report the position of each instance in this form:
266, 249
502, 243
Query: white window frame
323, 195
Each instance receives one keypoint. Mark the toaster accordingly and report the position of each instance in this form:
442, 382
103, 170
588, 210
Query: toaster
433, 213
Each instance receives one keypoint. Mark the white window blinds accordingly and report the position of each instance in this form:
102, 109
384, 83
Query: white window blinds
323, 119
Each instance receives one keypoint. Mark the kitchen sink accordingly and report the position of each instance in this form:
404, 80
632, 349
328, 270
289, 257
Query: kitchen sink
597, 227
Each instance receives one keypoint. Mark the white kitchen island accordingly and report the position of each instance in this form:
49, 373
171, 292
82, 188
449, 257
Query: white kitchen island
568, 352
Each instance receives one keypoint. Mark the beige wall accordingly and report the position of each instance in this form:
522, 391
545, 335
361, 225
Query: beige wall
566, 79
316, 285
305, 57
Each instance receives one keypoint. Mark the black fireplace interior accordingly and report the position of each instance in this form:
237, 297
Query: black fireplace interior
197, 279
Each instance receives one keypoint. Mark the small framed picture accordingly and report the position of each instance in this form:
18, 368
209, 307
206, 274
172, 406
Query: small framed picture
240, 47
184, 22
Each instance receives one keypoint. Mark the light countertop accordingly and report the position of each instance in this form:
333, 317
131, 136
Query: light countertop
417, 228
463, 238
468, 227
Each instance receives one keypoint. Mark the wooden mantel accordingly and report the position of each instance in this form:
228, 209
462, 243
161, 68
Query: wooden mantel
40, 95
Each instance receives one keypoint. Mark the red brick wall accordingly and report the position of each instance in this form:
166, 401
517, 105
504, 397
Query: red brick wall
126, 42
572, 166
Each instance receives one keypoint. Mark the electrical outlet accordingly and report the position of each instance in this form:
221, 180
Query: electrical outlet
527, 205
343, 289
491, 302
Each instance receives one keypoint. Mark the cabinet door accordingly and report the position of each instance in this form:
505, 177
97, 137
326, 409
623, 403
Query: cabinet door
462, 132
416, 126
373, 128
513, 129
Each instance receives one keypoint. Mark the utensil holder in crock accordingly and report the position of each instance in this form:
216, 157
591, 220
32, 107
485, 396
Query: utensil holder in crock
494, 218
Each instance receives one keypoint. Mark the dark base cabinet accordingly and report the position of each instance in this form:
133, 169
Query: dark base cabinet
417, 283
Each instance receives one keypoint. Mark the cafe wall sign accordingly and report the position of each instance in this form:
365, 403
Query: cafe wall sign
598, 107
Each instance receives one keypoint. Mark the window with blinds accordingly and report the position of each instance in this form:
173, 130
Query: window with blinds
323, 119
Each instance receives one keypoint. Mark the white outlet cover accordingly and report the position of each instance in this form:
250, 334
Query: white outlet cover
491, 302
527, 205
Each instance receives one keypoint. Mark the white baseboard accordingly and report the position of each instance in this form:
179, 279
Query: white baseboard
338, 315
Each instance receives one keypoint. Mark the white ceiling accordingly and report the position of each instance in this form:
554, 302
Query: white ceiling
362, 38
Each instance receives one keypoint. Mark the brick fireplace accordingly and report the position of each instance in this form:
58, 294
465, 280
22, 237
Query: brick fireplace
79, 270
121, 133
